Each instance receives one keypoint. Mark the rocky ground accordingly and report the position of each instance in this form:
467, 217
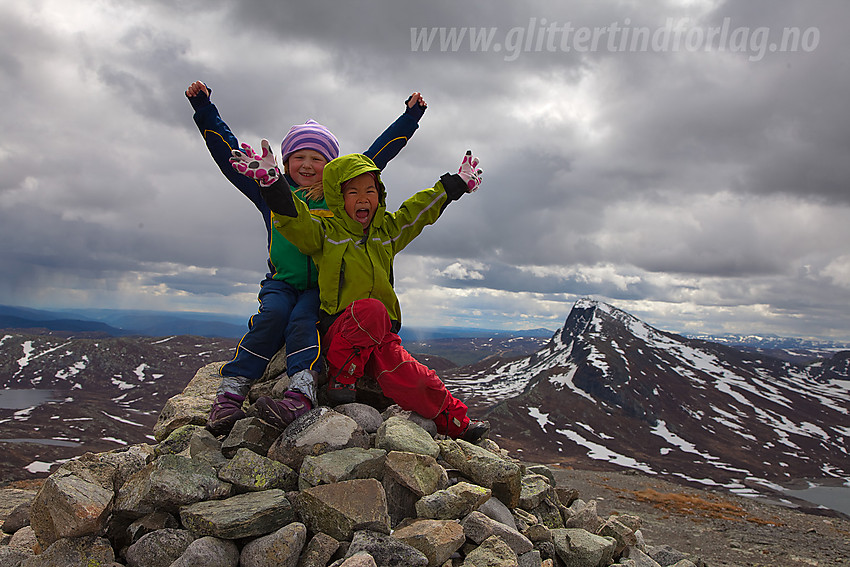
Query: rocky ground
721, 529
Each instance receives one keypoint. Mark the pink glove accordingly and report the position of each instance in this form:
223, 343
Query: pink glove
263, 168
469, 172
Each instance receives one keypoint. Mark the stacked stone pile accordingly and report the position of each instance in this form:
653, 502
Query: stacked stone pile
348, 486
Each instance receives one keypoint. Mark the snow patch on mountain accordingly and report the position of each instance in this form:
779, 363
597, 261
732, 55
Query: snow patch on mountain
600, 452
542, 418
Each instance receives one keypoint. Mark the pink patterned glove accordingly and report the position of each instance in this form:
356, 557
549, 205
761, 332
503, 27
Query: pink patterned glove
263, 168
469, 172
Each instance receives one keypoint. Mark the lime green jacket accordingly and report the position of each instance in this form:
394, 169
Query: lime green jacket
352, 264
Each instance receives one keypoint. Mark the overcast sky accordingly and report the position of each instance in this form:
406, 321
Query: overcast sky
686, 161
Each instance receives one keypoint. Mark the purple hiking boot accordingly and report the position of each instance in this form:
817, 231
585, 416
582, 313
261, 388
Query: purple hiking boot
280, 413
226, 411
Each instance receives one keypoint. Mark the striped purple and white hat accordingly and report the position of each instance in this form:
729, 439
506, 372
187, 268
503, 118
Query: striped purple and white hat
310, 136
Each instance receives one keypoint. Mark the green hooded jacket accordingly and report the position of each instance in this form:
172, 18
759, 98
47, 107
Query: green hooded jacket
352, 264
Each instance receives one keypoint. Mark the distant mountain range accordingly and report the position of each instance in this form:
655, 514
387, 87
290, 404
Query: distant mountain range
768, 342
119, 323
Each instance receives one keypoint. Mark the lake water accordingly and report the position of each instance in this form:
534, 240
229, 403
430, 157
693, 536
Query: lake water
22, 399
26, 398
52, 442
832, 497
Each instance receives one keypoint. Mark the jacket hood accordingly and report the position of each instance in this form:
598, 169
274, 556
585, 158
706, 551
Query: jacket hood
340, 170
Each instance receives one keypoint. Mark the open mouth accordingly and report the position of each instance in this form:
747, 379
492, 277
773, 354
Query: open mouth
362, 214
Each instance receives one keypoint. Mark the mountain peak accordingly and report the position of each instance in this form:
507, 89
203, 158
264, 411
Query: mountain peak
590, 314
610, 388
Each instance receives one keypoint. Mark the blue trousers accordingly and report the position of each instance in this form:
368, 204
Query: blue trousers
286, 315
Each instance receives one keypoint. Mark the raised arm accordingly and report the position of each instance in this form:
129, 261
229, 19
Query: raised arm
220, 140
395, 137
426, 206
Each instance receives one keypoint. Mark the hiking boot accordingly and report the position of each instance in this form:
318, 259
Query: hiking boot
339, 393
476, 431
280, 413
226, 411
305, 382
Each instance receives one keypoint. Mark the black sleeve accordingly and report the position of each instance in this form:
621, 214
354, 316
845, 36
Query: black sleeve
455, 188
454, 185
278, 196
200, 100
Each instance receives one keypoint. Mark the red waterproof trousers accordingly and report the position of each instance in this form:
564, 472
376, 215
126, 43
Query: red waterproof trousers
360, 342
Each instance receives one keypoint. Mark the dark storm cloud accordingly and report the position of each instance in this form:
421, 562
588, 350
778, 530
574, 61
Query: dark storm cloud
220, 282
709, 180
509, 278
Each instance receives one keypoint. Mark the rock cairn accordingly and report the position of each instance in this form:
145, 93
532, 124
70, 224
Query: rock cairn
350, 486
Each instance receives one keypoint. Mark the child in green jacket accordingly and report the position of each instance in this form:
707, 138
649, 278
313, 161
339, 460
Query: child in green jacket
354, 252
288, 297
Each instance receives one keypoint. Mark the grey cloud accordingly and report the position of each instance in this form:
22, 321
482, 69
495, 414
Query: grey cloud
224, 282
698, 180
510, 278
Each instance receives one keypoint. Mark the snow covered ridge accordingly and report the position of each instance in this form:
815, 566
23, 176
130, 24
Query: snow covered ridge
609, 388
61, 396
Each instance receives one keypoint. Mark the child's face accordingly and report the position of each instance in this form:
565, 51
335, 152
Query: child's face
305, 167
360, 198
